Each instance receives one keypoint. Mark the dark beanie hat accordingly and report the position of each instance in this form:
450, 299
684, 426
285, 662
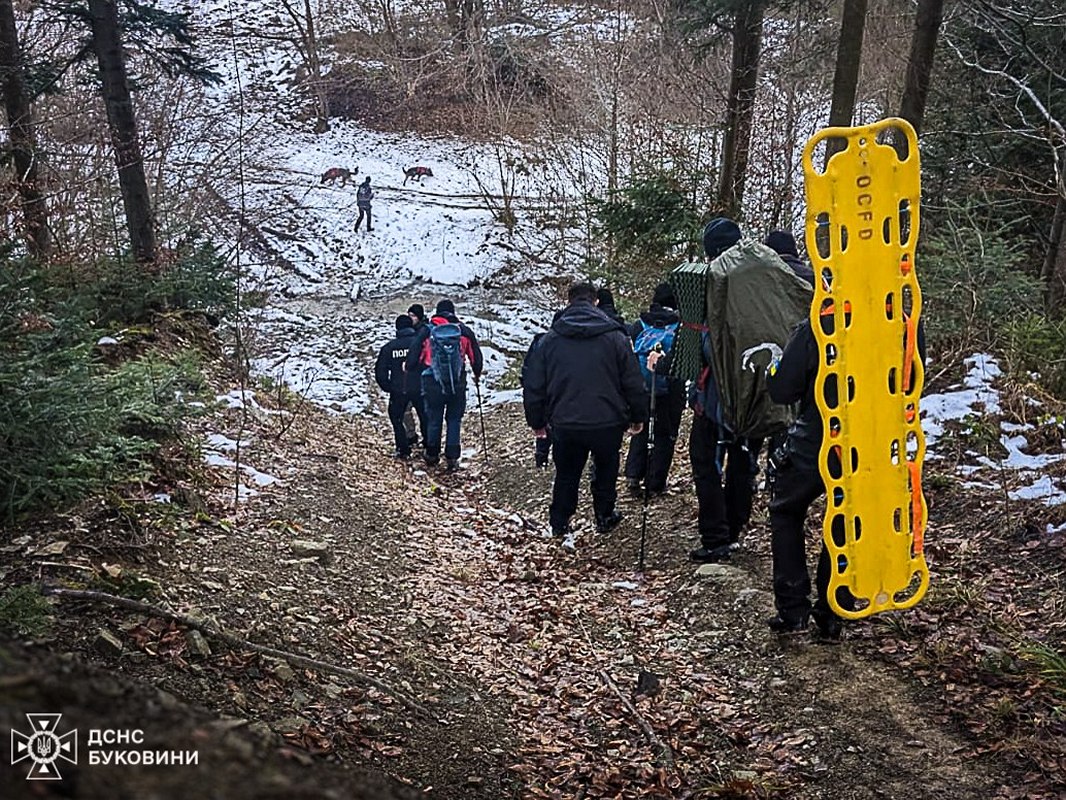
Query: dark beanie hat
719, 235
604, 297
403, 321
664, 296
445, 307
782, 243
417, 310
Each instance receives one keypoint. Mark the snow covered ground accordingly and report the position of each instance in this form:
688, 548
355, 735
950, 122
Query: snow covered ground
333, 293
1021, 474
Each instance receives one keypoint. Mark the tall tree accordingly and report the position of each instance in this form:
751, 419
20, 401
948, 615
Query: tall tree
307, 44
122, 125
846, 74
24, 154
1017, 44
740, 104
920, 63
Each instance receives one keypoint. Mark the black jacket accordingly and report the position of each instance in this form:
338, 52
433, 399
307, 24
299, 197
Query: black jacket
800, 267
793, 380
418, 358
612, 312
584, 374
388, 370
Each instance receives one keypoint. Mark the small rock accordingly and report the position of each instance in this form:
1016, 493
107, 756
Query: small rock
261, 732
107, 643
716, 572
51, 549
288, 724
777, 683
283, 672
214, 585
305, 548
299, 700
198, 645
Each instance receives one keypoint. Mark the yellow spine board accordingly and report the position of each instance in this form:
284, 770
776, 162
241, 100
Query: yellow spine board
872, 443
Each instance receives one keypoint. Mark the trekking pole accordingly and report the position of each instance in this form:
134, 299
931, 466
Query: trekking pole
647, 466
481, 416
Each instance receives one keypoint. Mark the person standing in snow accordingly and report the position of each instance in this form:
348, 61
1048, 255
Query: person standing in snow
440, 355
583, 380
404, 388
363, 195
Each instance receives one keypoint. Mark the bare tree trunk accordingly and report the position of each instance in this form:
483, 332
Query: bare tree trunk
846, 76
920, 63
747, 48
1054, 270
314, 64
122, 124
23, 137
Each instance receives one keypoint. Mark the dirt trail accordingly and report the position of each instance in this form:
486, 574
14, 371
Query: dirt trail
446, 587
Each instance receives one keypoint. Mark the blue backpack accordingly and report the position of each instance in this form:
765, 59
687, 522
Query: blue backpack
446, 356
646, 341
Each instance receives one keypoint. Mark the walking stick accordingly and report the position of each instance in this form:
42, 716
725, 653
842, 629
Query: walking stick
647, 466
481, 415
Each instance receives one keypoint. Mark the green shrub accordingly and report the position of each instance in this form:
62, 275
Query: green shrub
651, 224
24, 611
72, 423
973, 285
118, 291
1034, 343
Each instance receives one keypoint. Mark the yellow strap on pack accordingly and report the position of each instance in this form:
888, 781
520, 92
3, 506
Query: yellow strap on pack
862, 226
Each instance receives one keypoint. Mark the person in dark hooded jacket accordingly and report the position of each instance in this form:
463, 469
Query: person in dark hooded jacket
784, 244
403, 387
724, 465
542, 445
669, 405
605, 303
416, 433
795, 482
583, 381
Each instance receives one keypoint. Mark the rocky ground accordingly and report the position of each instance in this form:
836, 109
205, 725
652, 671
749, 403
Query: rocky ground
539, 671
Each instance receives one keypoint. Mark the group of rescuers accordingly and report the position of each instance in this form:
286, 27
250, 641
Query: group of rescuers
584, 389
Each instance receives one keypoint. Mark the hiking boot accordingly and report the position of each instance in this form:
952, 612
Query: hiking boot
400, 455
452, 464
608, 523
431, 461
787, 625
563, 532
711, 555
830, 626
633, 487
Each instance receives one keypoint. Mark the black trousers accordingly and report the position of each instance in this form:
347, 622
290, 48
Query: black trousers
668, 410
362, 212
398, 404
793, 487
724, 499
571, 448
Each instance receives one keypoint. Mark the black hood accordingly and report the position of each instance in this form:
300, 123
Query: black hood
583, 320
658, 316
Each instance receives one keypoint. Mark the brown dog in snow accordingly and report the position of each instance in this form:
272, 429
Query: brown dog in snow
334, 173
